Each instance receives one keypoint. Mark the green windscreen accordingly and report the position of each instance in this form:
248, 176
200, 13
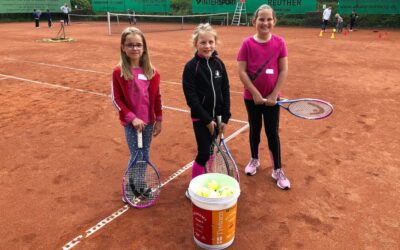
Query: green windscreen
27, 6
280, 6
139, 6
369, 6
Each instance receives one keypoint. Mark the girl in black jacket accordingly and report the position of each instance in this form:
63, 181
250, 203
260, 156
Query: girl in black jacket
206, 88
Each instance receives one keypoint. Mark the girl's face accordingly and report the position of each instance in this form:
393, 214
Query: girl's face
265, 22
133, 48
205, 44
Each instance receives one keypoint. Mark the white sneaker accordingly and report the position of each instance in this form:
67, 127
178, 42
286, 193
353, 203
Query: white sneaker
281, 181
251, 168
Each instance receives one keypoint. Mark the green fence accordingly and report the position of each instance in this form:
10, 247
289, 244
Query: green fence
139, 6
369, 6
280, 6
27, 6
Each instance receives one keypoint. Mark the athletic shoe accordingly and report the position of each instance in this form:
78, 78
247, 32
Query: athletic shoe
251, 168
187, 194
281, 181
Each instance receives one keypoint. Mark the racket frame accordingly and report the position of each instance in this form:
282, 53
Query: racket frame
283, 102
139, 201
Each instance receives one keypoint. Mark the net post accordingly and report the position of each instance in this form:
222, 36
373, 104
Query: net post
109, 23
182, 23
227, 18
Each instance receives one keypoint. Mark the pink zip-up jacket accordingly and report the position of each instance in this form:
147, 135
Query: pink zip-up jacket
123, 103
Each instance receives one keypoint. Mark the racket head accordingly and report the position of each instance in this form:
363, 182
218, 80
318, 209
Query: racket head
234, 172
308, 108
218, 162
141, 183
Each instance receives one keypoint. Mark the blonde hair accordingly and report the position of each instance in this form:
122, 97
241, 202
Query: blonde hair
144, 62
264, 7
203, 27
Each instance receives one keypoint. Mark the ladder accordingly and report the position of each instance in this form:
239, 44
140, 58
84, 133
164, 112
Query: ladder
240, 8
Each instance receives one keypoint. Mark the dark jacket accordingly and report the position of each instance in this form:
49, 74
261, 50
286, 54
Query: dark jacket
206, 88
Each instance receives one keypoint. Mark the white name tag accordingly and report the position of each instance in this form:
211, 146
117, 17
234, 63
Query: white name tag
142, 77
269, 72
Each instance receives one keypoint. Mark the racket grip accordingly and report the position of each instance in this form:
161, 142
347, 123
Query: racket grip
140, 139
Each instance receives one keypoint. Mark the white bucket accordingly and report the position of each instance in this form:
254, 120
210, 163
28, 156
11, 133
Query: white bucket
214, 219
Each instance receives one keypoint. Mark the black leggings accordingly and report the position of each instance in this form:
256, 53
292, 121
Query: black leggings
203, 139
271, 125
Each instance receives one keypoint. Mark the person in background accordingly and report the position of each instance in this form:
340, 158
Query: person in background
353, 18
339, 23
65, 10
36, 16
49, 19
326, 15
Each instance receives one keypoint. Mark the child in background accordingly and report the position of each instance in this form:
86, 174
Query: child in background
36, 16
339, 23
136, 92
49, 19
206, 89
263, 68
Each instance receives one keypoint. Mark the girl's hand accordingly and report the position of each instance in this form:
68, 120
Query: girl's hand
138, 124
211, 127
270, 100
157, 128
223, 128
258, 100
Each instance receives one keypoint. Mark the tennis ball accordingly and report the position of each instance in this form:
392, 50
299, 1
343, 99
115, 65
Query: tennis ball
203, 192
213, 185
226, 191
334, 30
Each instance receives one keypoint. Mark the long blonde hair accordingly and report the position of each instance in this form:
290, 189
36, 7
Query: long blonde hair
144, 62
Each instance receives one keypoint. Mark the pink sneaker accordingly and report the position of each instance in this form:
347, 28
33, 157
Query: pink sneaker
251, 168
281, 181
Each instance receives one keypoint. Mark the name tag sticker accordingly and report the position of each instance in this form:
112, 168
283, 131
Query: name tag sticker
142, 77
269, 72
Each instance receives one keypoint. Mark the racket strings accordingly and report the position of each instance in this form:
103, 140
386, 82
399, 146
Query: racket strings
141, 184
310, 109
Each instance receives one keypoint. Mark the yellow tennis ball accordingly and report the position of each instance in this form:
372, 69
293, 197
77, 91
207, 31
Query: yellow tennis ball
213, 185
203, 192
226, 191
334, 30
213, 194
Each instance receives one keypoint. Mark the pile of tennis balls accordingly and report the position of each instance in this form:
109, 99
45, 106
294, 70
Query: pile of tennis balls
213, 190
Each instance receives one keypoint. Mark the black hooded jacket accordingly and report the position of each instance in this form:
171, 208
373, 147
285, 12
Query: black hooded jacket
206, 88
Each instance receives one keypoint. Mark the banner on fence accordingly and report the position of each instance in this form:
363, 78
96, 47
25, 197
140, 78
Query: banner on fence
27, 6
139, 6
369, 6
280, 6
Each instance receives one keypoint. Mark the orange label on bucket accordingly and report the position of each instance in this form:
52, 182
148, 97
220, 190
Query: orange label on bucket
214, 227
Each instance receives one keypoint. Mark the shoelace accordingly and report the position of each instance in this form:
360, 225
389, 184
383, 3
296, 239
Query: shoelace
280, 174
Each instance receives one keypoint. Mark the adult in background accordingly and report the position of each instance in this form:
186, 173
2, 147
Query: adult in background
49, 19
65, 11
353, 17
326, 15
36, 16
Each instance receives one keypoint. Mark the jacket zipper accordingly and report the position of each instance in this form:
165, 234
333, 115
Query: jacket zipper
212, 84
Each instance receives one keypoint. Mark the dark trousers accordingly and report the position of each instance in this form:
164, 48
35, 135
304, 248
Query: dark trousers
203, 140
36, 23
324, 24
270, 115
65, 15
352, 24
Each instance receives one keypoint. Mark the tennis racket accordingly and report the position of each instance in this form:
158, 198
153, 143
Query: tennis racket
219, 161
141, 180
307, 108
233, 169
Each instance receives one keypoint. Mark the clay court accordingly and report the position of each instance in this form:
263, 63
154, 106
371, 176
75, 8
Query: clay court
63, 151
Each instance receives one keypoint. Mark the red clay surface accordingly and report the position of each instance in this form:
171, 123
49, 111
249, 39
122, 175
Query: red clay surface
63, 151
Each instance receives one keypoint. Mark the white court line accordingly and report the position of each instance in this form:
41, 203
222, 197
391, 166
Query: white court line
125, 208
3, 78
93, 71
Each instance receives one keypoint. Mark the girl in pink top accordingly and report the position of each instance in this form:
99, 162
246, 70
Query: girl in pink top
136, 92
263, 67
